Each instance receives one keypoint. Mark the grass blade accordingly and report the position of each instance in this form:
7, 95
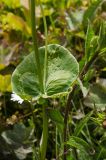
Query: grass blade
82, 123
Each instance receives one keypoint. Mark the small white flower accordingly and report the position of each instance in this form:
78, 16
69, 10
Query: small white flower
15, 97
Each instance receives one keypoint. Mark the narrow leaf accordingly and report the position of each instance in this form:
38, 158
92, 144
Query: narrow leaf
57, 118
78, 143
90, 12
89, 36
102, 36
82, 123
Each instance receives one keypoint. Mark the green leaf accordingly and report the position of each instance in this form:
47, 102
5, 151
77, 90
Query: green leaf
83, 88
102, 36
57, 118
94, 43
89, 36
5, 83
11, 3
90, 12
20, 139
14, 22
96, 96
82, 147
74, 19
62, 72
82, 123
78, 143
101, 153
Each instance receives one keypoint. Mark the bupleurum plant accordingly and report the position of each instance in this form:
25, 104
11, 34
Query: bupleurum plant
46, 72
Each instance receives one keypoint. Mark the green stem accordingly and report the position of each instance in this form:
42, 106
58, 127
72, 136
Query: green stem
44, 138
35, 44
52, 22
46, 42
33, 114
100, 154
56, 142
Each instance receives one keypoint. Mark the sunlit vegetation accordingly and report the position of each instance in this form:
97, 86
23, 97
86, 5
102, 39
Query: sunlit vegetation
52, 80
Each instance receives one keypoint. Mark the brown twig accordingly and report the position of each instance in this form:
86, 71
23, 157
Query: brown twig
66, 118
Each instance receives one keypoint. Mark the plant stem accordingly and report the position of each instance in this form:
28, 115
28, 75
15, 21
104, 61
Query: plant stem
4, 105
46, 42
56, 142
70, 97
66, 118
33, 114
44, 138
35, 44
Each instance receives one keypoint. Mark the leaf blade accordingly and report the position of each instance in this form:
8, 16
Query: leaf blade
62, 71
82, 123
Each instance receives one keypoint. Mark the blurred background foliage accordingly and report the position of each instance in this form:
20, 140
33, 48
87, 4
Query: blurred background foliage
67, 22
